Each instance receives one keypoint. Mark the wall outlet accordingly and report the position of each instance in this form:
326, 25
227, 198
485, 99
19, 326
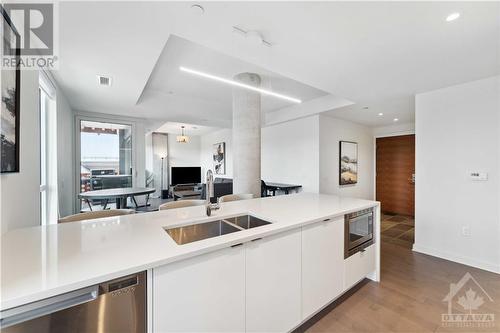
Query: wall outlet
466, 231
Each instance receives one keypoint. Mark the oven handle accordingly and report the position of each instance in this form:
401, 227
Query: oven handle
47, 306
359, 217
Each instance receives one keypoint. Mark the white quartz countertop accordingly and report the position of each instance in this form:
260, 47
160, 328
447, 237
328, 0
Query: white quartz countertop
40, 262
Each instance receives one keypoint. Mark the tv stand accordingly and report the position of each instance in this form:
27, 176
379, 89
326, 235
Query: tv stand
181, 191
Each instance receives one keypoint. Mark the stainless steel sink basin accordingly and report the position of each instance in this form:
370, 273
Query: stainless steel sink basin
247, 221
196, 232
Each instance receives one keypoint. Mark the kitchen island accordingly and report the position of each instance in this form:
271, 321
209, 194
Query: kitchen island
295, 264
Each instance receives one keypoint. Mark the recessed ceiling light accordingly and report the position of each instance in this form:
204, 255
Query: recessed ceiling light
395, 119
452, 17
380, 114
239, 84
198, 9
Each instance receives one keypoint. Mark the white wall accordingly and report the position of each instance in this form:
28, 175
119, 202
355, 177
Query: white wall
159, 167
305, 151
65, 153
140, 154
331, 131
20, 192
458, 132
24, 188
290, 153
183, 154
148, 148
207, 142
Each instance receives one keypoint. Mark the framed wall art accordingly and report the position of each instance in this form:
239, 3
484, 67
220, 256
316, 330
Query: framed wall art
10, 96
348, 166
219, 157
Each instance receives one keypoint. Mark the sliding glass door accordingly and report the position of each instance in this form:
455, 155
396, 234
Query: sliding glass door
105, 159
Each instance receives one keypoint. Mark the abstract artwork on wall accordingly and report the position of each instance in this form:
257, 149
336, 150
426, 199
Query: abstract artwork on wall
348, 166
219, 156
9, 112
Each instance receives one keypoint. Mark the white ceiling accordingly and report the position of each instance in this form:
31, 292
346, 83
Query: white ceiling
189, 129
179, 95
377, 54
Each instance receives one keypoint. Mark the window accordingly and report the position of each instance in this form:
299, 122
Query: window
105, 159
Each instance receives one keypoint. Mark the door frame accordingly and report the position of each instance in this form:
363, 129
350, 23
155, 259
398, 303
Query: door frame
87, 116
385, 135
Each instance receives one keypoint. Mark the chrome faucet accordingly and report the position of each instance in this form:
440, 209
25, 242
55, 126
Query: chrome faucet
209, 193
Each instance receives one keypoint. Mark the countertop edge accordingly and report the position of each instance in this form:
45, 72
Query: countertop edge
50, 292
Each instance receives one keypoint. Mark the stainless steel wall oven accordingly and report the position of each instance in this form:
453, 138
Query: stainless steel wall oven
358, 231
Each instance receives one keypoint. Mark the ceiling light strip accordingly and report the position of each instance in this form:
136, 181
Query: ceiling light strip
239, 84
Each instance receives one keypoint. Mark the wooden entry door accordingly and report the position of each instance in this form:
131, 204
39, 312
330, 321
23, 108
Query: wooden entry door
395, 174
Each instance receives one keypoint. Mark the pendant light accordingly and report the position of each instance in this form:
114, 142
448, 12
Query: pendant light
182, 138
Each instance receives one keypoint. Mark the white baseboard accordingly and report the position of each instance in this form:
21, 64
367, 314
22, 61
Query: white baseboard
459, 259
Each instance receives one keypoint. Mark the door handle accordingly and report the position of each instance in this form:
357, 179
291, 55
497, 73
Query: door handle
412, 179
47, 306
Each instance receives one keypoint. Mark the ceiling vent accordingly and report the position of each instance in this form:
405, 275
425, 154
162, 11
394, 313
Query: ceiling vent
104, 80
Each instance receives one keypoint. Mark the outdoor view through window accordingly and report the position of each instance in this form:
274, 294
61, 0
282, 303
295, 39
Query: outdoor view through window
105, 159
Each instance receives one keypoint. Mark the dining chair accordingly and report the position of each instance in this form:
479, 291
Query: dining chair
236, 197
181, 204
96, 214
264, 189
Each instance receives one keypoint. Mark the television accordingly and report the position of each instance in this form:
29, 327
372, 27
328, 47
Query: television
186, 175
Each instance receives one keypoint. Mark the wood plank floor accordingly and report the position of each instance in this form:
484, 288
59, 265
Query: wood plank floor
409, 297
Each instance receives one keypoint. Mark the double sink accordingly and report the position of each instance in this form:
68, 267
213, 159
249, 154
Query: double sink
199, 231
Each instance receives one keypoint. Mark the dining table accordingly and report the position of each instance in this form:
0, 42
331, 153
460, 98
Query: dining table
273, 187
119, 194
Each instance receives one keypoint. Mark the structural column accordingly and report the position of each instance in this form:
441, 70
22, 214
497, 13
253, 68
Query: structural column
246, 136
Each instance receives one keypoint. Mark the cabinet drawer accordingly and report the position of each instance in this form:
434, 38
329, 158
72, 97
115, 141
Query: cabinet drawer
358, 266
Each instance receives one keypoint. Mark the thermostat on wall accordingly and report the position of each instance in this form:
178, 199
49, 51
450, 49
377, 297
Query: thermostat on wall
478, 176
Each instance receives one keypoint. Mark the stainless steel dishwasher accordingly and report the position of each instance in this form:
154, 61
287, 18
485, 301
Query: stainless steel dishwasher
114, 306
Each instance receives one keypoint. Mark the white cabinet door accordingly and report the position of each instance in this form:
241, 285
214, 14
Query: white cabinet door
201, 294
359, 265
273, 266
322, 264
